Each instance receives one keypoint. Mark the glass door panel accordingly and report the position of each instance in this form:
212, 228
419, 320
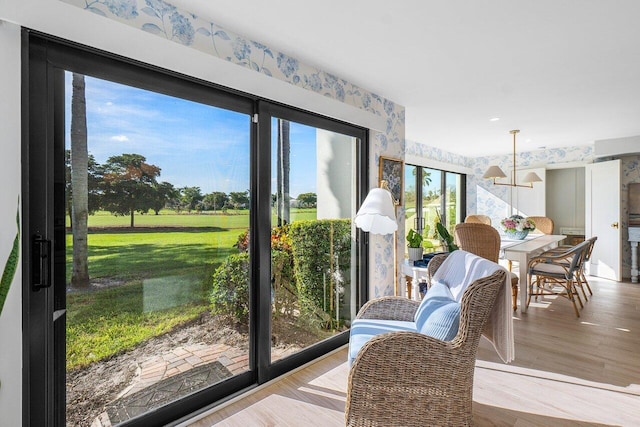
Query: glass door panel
157, 262
453, 205
431, 182
313, 250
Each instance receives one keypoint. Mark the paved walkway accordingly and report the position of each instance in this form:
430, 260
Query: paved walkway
183, 359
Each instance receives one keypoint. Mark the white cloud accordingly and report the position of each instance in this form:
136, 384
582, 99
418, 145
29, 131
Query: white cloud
120, 138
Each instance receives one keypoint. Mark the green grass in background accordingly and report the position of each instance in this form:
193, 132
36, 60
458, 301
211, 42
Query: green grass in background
160, 278
103, 323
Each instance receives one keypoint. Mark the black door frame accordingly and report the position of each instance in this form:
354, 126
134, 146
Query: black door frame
44, 60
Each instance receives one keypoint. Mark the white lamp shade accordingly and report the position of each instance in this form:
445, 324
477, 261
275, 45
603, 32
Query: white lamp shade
377, 214
494, 172
531, 177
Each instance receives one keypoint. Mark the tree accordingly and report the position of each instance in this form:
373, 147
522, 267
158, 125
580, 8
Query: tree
283, 165
164, 192
79, 183
239, 199
128, 185
94, 181
215, 200
308, 199
190, 198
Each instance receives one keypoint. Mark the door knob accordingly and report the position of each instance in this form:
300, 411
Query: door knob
615, 224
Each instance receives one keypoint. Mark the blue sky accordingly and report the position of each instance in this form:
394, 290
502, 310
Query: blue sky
193, 144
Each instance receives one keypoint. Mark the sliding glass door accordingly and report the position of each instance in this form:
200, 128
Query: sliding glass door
157, 302
184, 243
313, 246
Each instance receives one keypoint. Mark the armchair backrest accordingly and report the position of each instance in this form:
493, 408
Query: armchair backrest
479, 239
570, 260
478, 219
544, 225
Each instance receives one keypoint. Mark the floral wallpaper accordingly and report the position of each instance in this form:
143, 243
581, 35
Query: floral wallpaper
482, 197
164, 19
485, 198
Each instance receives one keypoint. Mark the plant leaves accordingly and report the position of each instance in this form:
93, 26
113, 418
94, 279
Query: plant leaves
152, 28
203, 31
11, 264
222, 35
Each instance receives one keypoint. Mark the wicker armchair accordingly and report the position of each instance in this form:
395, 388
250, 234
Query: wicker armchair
544, 225
478, 219
410, 379
484, 240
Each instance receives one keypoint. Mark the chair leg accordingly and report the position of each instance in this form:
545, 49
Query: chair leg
514, 296
586, 282
580, 284
530, 288
574, 292
509, 264
570, 294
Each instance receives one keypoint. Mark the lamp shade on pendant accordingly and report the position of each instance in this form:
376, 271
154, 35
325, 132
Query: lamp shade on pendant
377, 214
494, 172
531, 177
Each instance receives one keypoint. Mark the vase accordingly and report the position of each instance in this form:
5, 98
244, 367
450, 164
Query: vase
516, 235
415, 254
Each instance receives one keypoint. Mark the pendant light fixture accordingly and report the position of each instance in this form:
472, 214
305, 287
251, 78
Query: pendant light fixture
495, 172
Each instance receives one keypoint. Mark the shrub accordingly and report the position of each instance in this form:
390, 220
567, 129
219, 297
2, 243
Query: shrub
230, 293
322, 255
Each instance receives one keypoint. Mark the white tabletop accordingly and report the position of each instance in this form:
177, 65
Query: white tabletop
522, 250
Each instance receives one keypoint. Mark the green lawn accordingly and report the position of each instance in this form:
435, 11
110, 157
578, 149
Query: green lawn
168, 218
162, 277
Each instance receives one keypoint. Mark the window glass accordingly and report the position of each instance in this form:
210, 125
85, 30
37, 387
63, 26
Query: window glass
157, 209
312, 237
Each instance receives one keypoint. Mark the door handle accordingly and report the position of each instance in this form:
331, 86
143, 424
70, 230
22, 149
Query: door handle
41, 263
615, 225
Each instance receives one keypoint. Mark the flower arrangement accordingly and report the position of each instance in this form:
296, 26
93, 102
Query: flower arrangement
517, 223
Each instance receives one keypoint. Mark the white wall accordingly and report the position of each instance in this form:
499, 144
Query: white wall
617, 147
11, 316
335, 181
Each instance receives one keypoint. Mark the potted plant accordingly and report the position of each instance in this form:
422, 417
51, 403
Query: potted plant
414, 244
445, 237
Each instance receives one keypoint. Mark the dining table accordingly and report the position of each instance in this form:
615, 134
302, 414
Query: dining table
521, 251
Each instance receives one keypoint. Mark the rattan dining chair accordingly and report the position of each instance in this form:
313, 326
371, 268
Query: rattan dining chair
558, 274
581, 277
484, 240
544, 225
480, 219
407, 379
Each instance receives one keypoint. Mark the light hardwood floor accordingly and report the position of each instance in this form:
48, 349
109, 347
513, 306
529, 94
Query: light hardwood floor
567, 372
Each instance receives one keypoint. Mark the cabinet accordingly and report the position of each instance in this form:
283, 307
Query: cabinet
574, 235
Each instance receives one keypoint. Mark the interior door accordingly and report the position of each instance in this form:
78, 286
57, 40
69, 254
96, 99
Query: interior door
602, 218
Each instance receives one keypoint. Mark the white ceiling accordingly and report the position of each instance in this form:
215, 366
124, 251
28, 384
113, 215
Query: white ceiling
564, 72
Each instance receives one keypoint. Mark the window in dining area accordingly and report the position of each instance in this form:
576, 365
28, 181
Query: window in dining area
432, 195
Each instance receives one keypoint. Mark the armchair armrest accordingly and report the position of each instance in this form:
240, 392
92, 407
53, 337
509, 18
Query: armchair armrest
433, 266
389, 308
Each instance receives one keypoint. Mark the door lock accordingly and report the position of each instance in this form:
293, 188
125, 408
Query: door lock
41, 263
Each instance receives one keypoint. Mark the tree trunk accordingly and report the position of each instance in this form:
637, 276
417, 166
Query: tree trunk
79, 183
284, 165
